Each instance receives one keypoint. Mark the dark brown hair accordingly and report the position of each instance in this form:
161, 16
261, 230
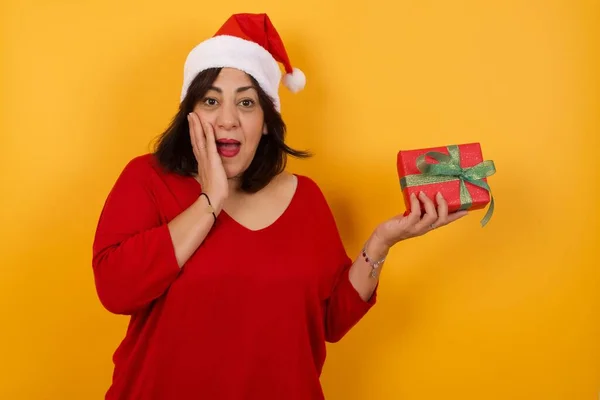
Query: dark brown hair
174, 148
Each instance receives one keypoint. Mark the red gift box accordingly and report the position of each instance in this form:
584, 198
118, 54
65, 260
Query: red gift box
458, 172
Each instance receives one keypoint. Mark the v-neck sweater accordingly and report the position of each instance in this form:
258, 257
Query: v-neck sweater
246, 317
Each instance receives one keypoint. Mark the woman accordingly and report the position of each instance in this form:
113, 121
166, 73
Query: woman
232, 270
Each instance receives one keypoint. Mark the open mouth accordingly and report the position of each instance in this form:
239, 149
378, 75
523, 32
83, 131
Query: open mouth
228, 147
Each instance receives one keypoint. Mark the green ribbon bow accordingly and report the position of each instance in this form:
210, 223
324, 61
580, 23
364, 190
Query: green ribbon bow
448, 169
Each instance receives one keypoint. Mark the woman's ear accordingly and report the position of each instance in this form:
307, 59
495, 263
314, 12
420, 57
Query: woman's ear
265, 130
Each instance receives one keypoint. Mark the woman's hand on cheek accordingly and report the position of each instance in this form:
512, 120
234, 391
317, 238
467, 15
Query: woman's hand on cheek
211, 172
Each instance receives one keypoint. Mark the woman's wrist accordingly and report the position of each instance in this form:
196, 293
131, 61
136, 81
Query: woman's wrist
376, 248
214, 202
206, 205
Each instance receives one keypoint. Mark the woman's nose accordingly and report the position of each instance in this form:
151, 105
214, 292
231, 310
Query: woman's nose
227, 118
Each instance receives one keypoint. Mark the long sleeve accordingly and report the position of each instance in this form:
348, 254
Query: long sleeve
344, 306
133, 256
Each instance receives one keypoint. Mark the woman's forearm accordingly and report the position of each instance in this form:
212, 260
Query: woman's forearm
360, 274
190, 228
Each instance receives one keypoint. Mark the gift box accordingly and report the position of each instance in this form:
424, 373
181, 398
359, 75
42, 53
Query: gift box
458, 172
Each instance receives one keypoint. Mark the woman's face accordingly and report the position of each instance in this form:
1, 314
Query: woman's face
231, 106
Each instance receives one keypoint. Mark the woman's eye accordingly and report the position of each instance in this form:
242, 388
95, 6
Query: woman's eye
210, 102
247, 103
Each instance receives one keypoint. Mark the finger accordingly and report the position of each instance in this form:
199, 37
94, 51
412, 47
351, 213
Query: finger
211, 141
415, 210
192, 132
194, 137
442, 210
430, 213
456, 215
199, 135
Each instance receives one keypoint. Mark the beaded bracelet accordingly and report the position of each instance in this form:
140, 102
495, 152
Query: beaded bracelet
373, 265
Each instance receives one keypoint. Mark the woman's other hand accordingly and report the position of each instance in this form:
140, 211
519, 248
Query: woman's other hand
415, 224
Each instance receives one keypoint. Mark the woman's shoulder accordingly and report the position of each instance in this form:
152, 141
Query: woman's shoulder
143, 163
313, 201
141, 170
304, 182
143, 166
310, 189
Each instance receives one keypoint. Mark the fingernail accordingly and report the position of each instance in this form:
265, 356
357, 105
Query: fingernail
413, 195
438, 195
421, 193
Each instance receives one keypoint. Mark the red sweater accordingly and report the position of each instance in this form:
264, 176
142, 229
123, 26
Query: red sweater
248, 315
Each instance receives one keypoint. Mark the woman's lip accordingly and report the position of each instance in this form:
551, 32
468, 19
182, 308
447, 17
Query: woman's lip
228, 141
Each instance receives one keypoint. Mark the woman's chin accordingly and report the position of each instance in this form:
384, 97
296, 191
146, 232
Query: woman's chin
233, 172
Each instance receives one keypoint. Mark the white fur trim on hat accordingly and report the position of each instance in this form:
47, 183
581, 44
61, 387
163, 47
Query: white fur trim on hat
229, 51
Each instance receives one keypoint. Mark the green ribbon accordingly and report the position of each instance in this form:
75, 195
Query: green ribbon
448, 169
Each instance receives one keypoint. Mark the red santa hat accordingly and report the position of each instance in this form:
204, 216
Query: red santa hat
250, 43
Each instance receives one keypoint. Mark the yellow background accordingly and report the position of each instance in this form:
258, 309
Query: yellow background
510, 311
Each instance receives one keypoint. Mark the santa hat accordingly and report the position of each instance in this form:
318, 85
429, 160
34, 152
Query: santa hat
250, 43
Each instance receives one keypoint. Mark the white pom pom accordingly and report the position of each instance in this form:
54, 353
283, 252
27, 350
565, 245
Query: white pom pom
295, 81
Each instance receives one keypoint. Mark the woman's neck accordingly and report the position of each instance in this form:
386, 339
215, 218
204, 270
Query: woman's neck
234, 184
